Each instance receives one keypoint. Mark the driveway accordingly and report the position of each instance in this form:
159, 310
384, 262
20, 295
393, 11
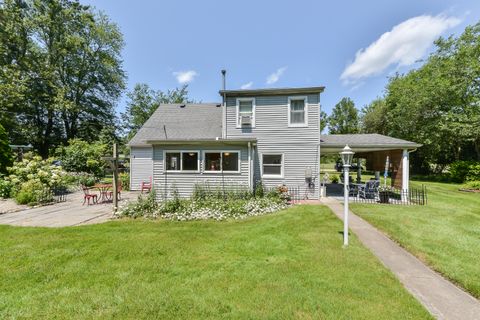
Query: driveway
64, 214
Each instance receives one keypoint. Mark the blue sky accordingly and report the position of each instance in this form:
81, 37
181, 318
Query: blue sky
350, 47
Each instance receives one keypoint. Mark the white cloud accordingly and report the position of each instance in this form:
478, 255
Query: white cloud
185, 76
274, 77
246, 85
406, 43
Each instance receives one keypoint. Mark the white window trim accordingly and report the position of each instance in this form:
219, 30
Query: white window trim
282, 166
237, 112
221, 161
298, 125
181, 161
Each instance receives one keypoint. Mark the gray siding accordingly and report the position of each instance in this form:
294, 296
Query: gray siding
141, 166
299, 145
185, 182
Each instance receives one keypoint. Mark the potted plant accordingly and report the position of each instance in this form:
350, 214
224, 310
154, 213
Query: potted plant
384, 194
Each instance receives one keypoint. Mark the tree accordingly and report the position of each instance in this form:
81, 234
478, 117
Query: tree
344, 118
438, 104
61, 70
6, 157
373, 117
143, 101
323, 120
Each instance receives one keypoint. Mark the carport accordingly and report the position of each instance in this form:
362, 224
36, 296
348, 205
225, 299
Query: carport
375, 148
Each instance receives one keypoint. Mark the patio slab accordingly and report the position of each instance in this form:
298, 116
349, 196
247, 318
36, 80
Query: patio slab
64, 214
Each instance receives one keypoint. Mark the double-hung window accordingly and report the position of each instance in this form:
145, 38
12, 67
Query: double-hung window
272, 165
245, 112
297, 112
182, 161
216, 161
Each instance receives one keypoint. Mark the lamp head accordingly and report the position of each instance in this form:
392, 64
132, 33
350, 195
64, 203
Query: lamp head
347, 156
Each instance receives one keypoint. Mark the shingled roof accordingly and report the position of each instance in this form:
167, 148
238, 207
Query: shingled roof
362, 141
198, 121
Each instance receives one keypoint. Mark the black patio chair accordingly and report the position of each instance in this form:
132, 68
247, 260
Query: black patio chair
369, 190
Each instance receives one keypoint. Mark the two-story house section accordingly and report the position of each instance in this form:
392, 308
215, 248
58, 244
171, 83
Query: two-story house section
268, 136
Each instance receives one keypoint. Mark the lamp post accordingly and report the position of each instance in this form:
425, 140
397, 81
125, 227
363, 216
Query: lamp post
347, 156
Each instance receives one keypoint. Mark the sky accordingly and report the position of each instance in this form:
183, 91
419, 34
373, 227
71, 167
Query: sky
350, 47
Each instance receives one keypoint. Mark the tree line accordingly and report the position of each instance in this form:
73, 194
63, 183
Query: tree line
437, 105
61, 76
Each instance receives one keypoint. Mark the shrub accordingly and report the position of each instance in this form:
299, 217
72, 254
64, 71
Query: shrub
472, 185
33, 192
259, 190
334, 178
5, 188
464, 170
125, 180
143, 207
83, 156
34, 178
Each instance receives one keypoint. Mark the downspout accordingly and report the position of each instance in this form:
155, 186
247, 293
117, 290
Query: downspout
319, 185
224, 105
250, 166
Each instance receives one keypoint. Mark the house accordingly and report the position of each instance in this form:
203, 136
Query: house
268, 136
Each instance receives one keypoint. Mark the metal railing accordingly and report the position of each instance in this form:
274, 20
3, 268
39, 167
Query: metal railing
411, 196
53, 195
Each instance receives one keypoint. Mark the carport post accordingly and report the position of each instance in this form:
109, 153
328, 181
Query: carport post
405, 172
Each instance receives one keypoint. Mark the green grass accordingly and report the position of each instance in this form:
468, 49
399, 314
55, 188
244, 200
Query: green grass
445, 233
286, 265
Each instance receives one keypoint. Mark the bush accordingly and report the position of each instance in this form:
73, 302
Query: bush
125, 180
82, 156
34, 178
33, 192
472, 185
334, 178
143, 207
461, 171
5, 188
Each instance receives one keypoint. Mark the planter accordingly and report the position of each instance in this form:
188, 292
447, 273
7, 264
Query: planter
384, 196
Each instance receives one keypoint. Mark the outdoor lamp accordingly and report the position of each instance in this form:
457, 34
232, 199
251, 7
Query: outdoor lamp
347, 156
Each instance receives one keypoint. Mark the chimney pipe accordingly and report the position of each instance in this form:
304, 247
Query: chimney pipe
224, 111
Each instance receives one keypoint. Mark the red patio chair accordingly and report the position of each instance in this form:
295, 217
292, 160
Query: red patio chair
119, 190
87, 196
146, 186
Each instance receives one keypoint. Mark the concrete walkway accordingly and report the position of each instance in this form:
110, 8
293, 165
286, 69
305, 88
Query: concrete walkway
64, 214
440, 297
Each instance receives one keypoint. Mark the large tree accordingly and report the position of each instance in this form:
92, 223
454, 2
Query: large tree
344, 118
61, 71
373, 117
6, 156
142, 102
438, 104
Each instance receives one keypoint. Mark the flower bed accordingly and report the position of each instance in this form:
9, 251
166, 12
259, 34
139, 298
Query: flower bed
207, 206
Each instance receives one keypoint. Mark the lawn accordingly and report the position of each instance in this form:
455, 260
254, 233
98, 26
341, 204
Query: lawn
445, 233
285, 265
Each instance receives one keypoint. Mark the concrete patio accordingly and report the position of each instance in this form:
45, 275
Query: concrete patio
64, 214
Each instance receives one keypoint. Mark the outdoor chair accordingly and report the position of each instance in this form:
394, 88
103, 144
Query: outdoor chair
87, 196
146, 186
369, 190
119, 190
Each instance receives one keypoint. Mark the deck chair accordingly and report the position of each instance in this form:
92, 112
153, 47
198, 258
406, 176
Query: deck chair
147, 186
369, 190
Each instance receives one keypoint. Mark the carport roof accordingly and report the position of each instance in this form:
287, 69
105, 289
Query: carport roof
363, 142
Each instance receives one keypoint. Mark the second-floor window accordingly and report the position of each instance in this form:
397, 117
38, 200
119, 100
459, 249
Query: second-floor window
245, 112
297, 112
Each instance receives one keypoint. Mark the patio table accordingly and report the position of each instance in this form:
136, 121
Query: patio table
105, 194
